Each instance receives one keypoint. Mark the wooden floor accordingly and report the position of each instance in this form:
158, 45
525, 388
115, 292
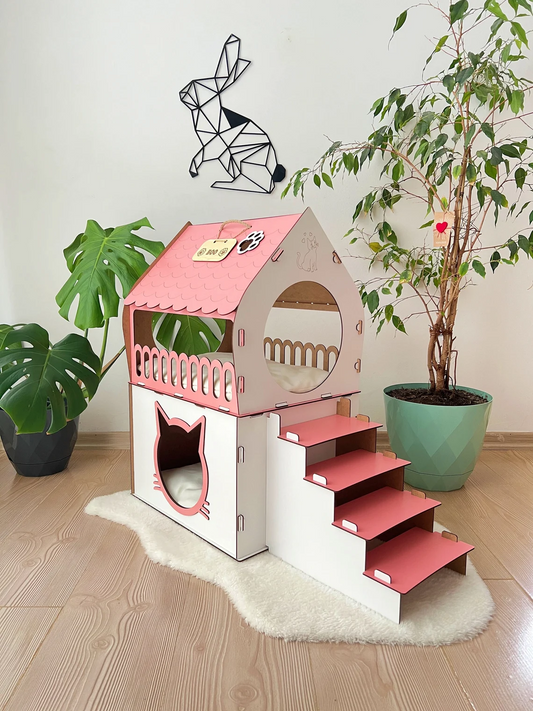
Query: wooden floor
88, 622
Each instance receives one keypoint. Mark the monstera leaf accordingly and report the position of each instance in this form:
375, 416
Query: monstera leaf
96, 259
195, 334
42, 375
5, 330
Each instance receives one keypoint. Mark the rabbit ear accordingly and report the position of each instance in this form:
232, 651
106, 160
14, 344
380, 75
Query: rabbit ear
230, 65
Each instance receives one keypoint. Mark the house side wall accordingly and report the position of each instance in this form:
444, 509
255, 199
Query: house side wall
296, 263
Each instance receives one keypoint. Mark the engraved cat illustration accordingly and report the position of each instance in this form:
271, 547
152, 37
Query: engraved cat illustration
308, 262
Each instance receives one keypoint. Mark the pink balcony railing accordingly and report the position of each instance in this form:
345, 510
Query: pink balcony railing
198, 380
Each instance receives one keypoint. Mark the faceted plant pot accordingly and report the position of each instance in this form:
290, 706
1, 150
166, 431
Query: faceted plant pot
38, 454
441, 442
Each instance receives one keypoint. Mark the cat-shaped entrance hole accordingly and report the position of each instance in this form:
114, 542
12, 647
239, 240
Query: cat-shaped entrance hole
180, 467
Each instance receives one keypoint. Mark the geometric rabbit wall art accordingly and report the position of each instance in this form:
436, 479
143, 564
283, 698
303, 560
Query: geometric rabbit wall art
242, 148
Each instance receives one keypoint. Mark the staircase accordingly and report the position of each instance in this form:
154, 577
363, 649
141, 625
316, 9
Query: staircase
337, 510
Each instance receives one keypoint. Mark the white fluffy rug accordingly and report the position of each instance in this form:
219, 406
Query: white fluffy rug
280, 601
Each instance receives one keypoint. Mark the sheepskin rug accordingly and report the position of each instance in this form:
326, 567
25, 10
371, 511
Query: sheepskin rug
280, 601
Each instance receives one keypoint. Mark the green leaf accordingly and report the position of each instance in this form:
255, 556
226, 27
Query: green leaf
510, 151
495, 261
377, 106
389, 311
96, 259
316, 180
42, 375
491, 170
5, 330
440, 44
494, 7
458, 11
463, 268
518, 31
499, 198
400, 21
464, 75
327, 180
471, 173
513, 247
347, 159
195, 335
372, 301
496, 155
398, 323
524, 244
448, 82
488, 131
517, 101
479, 268
470, 135
375, 246
520, 177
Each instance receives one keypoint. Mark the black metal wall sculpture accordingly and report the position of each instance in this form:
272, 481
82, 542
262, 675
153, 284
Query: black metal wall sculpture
240, 145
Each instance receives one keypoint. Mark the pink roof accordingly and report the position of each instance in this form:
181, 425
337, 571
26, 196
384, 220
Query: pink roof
177, 284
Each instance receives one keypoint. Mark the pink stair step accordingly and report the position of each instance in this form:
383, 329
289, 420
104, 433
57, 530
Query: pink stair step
324, 429
379, 511
411, 558
340, 472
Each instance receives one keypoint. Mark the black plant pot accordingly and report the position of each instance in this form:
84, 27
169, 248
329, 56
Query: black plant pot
38, 454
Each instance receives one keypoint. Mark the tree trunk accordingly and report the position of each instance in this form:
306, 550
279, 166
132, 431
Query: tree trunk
440, 348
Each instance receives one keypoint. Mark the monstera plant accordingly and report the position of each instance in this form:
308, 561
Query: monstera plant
44, 387
192, 335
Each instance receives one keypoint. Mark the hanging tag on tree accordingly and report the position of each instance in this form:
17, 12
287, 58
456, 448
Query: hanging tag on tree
442, 228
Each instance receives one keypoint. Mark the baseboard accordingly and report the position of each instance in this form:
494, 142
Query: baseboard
493, 440
103, 440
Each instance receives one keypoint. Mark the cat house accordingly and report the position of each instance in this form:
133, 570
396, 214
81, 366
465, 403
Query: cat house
260, 444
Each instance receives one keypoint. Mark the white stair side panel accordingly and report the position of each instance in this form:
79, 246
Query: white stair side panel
300, 530
251, 485
221, 457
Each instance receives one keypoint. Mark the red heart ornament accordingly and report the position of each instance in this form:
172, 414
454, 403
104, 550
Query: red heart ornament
441, 226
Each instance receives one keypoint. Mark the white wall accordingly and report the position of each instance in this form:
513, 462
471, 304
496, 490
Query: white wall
92, 127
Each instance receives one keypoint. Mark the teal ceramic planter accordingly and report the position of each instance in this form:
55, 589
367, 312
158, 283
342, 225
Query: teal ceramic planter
442, 443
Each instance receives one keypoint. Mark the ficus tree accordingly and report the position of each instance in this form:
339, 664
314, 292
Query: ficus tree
459, 145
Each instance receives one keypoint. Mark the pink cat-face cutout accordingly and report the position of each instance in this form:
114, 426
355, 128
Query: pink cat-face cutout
202, 505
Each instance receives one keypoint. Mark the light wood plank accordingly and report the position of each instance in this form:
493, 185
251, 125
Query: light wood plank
22, 630
222, 663
113, 643
42, 559
134, 635
496, 668
497, 507
20, 496
379, 678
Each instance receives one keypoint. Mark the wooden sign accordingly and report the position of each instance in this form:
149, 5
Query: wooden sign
214, 250
442, 228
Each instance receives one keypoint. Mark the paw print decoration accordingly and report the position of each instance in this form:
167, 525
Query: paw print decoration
250, 242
